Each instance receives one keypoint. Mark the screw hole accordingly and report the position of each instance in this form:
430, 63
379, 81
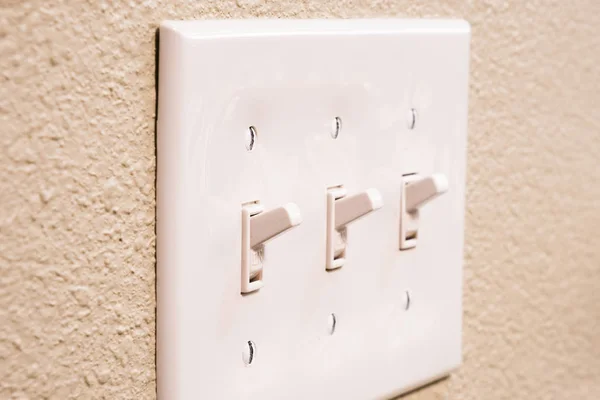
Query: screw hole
249, 353
336, 127
251, 135
411, 119
406, 299
331, 323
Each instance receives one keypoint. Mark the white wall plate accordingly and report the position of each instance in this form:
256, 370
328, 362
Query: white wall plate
290, 79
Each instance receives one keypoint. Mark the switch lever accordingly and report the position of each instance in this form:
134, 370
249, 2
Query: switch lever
267, 225
349, 208
420, 192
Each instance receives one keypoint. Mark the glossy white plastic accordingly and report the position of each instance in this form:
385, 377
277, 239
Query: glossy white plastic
308, 333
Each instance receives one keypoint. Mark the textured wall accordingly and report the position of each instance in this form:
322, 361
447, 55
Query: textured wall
77, 106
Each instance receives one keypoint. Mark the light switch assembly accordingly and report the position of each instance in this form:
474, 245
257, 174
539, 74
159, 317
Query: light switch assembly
310, 207
416, 192
258, 227
341, 210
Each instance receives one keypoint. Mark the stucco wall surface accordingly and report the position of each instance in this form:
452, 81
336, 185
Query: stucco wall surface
77, 258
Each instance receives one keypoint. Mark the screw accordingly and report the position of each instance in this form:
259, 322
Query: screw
331, 323
406, 300
249, 352
251, 138
336, 127
411, 118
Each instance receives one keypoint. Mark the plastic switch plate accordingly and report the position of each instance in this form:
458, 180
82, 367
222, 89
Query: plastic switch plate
399, 89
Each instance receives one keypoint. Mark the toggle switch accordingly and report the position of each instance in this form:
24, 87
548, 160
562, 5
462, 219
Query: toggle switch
342, 210
416, 192
258, 227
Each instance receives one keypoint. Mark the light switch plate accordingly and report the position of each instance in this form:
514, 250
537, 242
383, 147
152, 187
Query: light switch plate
290, 79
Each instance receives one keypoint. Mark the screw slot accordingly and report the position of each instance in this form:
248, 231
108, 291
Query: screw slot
331, 323
411, 118
406, 300
249, 352
251, 135
336, 127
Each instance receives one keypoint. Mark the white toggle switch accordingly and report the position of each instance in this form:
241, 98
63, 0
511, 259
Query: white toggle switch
258, 227
341, 210
416, 192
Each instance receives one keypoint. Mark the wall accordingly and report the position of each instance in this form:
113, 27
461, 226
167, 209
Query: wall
77, 107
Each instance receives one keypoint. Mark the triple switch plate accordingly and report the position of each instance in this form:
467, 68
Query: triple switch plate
288, 117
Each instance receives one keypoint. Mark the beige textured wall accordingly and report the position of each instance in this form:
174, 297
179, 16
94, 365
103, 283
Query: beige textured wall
77, 106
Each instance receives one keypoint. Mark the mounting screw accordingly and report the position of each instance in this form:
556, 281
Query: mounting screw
331, 322
406, 300
251, 135
336, 127
249, 352
411, 118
